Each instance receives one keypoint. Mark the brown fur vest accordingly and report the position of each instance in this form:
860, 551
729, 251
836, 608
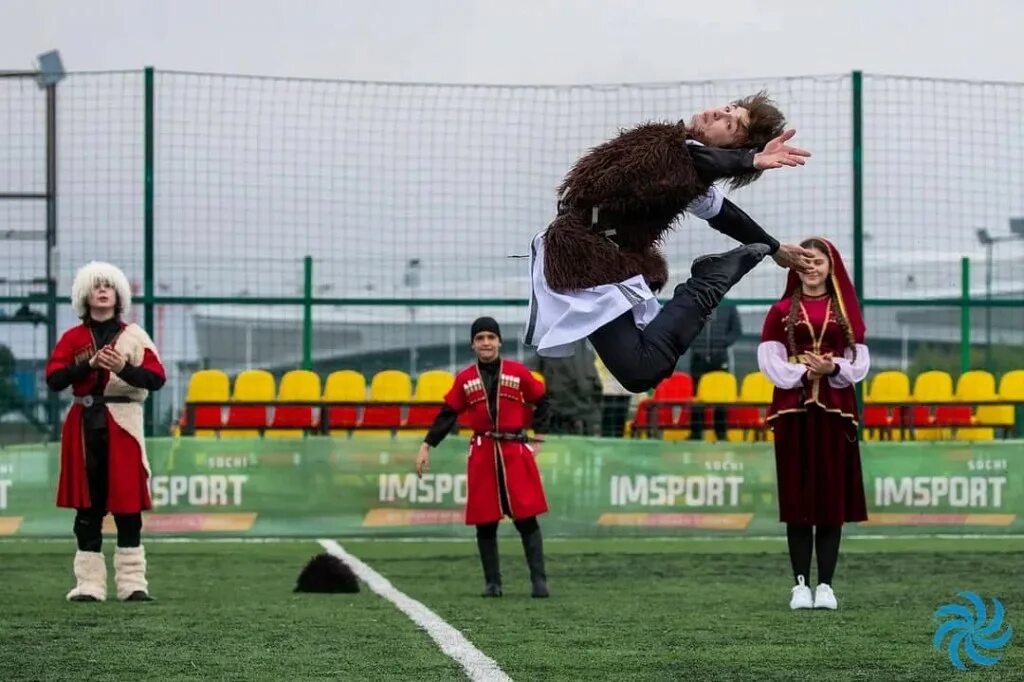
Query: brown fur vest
641, 181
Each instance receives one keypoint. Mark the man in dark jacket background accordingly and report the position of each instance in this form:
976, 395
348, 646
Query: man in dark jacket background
710, 353
574, 388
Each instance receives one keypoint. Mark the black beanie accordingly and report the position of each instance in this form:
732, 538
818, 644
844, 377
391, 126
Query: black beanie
484, 324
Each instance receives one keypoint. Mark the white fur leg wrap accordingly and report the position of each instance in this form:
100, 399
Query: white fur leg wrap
90, 576
130, 571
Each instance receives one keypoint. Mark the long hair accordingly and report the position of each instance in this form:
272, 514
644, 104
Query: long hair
794, 306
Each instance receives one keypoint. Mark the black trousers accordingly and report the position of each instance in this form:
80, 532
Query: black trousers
641, 358
524, 526
88, 525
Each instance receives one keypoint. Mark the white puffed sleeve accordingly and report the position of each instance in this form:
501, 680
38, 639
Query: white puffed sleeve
851, 371
773, 361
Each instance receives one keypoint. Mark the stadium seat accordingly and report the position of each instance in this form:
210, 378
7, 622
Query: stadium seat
755, 388
1011, 387
980, 386
208, 385
717, 387
390, 385
345, 385
431, 387
955, 416
675, 425
930, 388
300, 386
881, 421
674, 420
251, 386
670, 420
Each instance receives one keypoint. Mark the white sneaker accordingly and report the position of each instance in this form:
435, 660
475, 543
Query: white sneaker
801, 598
825, 598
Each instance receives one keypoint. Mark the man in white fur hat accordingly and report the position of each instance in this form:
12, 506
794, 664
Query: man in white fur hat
111, 367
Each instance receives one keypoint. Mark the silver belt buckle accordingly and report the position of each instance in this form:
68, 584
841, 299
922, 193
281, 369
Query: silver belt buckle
87, 401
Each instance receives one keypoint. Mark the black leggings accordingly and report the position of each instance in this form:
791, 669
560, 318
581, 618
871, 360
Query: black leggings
824, 540
641, 358
88, 526
89, 529
490, 530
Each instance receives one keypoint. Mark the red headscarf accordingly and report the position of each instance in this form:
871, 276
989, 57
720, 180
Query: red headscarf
843, 287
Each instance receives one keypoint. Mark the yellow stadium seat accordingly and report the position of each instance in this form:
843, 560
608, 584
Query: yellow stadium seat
299, 386
757, 389
975, 385
390, 385
251, 386
931, 387
979, 385
345, 385
717, 387
887, 387
431, 387
1011, 387
208, 385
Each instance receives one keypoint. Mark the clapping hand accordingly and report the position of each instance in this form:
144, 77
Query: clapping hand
820, 365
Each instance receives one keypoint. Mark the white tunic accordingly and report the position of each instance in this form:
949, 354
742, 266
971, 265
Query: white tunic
557, 319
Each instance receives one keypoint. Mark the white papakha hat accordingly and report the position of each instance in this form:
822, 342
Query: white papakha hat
94, 273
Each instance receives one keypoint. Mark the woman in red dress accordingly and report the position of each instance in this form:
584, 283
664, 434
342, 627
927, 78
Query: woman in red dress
501, 397
812, 349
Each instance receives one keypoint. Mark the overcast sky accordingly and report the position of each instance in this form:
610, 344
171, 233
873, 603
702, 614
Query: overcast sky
526, 41
922, 195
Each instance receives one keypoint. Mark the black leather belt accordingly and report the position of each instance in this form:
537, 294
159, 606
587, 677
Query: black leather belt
517, 436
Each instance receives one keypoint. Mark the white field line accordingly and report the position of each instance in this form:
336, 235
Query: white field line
478, 666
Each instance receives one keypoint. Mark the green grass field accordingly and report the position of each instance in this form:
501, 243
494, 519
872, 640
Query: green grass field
620, 610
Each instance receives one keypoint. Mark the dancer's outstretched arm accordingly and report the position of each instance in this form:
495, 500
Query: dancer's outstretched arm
715, 163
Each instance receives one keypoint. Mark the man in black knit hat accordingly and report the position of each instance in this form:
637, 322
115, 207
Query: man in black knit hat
503, 479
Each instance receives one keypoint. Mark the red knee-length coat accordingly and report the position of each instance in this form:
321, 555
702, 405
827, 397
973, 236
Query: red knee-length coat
128, 468
517, 391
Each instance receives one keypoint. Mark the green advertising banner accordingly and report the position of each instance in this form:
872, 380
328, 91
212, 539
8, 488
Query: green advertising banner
368, 486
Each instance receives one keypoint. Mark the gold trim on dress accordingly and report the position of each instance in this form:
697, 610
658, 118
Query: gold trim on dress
799, 358
811, 401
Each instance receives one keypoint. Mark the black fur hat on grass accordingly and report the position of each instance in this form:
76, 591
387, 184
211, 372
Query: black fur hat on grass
327, 573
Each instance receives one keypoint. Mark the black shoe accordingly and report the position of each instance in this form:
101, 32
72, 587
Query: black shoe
714, 275
492, 590
731, 265
83, 597
139, 595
